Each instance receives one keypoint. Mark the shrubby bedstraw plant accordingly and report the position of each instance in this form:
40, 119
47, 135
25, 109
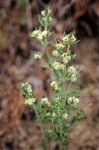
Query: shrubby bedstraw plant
55, 116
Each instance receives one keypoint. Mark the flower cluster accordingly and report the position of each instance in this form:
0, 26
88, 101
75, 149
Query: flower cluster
65, 116
73, 73
73, 101
58, 66
45, 18
45, 21
35, 33
26, 90
55, 53
54, 85
62, 59
53, 114
46, 101
40, 35
59, 46
38, 56
27, 87
69, 39
66, 58
30, 101
59, 114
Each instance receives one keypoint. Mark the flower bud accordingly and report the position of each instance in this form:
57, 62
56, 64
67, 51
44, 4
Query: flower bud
53, 114
54, 85
73, 38
38, 56
62, 67
45, 100
56, 65
65, 116
40, 37
35, 33
45, 33
43, 13
59, 46
73, 101
55, 53
65, 38
66, 58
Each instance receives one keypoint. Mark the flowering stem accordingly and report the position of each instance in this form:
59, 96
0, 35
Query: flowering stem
68, 48
46, 145
62, 146
48, 55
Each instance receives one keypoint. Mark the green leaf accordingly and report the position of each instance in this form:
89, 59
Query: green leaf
73, 56
67, 129
22, 2
80, 114
41, 21
57, 74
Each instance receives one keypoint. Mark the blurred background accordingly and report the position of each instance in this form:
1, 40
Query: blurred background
18, 129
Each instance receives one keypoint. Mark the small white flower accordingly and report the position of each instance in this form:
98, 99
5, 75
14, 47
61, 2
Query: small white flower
40, 37
35, 33
49, 10
43, 13
56, 65
59, 46
45, 100
70, 99
71, 69
66, 58
76, 100
49, 131
48, 114
65, 116
30, 101
50, 19
38, 56
73, 73
22, 85
55, 53
65, 38
29, 88
73, 79
73, 38
54, 85
73, 101
26, 83
53, 114
44, 33
62, 66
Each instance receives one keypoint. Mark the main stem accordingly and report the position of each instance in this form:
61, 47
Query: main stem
46, 145
62, 145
